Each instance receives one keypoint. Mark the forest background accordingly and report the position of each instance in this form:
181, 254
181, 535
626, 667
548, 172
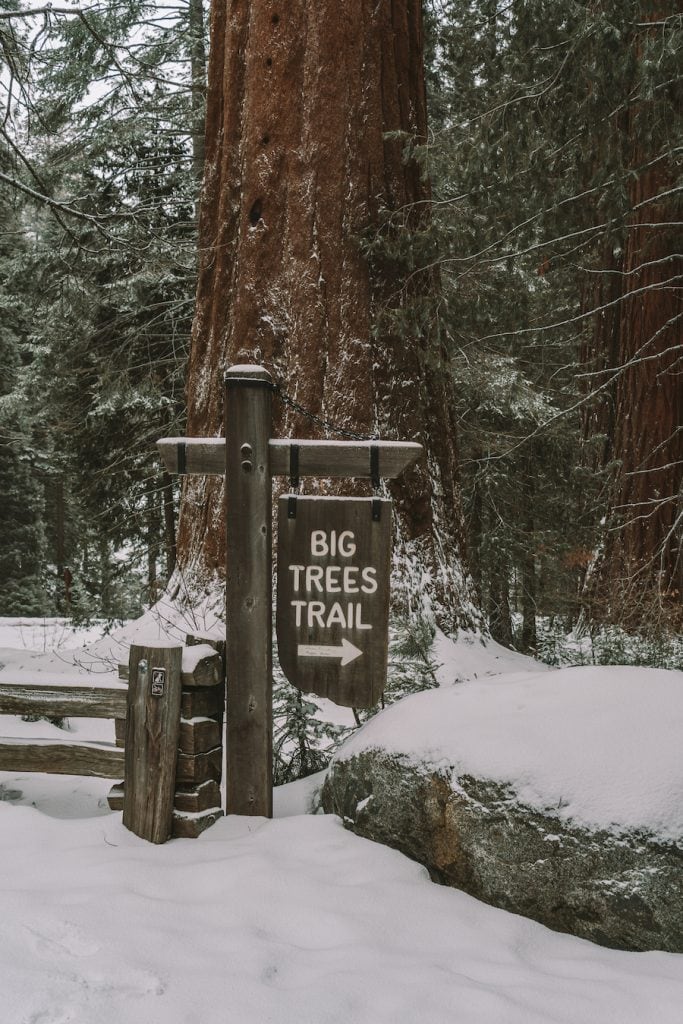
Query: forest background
554, 155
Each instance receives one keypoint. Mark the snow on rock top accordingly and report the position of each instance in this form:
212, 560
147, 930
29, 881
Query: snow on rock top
600, 746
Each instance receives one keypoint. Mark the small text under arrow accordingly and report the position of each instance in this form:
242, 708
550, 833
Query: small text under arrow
347, 651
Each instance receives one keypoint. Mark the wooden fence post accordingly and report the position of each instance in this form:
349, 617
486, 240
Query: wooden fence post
249, 738
152, 733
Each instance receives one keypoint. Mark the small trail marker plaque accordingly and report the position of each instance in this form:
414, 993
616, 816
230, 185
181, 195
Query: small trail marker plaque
158, 681
334, 563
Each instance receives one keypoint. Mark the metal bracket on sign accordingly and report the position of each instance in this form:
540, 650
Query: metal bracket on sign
374, 477
293, 480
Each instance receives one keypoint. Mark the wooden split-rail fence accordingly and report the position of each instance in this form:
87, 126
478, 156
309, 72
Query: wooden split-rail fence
168, 747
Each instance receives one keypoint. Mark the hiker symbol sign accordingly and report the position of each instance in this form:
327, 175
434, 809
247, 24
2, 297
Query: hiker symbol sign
333, 596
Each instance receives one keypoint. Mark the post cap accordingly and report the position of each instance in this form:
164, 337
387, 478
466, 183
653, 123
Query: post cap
248, 371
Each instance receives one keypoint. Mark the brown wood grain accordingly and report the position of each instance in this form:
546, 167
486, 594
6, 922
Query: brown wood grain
115, 797
359, 617
202, 701
201, 797
55, 701
56, 758
185, 827
198, 737
248, 500
331, 459
207, 672
152, 730
120, 732
196, 768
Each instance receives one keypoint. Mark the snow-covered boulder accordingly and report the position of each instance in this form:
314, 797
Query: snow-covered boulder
557, 795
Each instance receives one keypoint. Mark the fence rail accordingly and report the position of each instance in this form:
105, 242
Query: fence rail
170, 715
59, 756
104, 760
55, 701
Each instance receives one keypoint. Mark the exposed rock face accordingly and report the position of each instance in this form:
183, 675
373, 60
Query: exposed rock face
619, 890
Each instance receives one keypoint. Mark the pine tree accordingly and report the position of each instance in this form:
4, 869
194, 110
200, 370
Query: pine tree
536, 186
22, 554
110, 275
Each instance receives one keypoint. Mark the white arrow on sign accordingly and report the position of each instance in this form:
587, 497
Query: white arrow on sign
347, 651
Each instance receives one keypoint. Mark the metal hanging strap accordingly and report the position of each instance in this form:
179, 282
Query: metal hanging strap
293, 480
375, 480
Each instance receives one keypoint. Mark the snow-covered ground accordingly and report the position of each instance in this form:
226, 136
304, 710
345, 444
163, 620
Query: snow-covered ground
290, 921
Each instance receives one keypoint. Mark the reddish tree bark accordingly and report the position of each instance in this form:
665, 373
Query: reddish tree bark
643, 551
299, 171
637, 341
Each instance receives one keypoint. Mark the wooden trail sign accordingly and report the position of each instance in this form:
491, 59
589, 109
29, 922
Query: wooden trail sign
333, 596
249, 458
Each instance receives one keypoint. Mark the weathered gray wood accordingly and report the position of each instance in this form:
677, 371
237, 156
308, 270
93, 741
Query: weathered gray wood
334, 564
202, 454
344, 458
62, 701
57, 758
203, 797
152, 730
115, 797
192, 769
193, 639
198, 736
248, 591
190, 826
120, 732
208, 671
316, 458
202, 705
198, 701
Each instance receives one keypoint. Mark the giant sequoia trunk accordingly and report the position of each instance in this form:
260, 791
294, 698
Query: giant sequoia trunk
299, 172
637, 346
643, 558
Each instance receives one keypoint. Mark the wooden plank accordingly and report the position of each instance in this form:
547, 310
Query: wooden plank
191, 826
152, 729
191, 799
199, 701
120, 732
201, 454
193, 639
202, 666
205, 671
316, 458
115, 797
198, 736
344, 458
192, 769
57, 758
334, 563
248, 501
56, 701
202, 797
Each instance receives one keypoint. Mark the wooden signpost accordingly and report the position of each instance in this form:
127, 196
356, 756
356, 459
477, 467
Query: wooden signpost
249, 458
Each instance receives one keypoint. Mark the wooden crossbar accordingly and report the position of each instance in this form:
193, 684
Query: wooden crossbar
316, 458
